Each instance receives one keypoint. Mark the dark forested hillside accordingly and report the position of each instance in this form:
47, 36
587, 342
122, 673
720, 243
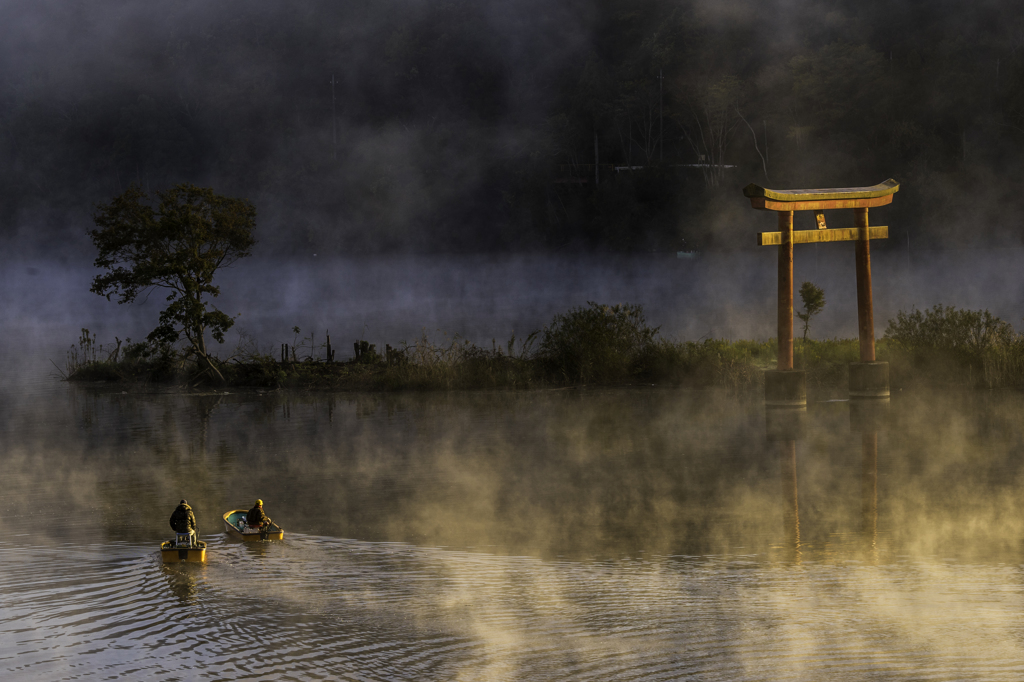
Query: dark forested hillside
474, 125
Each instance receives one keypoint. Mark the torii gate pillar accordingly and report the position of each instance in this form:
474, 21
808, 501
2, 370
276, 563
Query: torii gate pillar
865, 307
868, 378
785, 315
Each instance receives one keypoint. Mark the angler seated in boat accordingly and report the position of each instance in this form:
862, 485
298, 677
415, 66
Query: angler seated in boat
257, 518
183, 523
237, 524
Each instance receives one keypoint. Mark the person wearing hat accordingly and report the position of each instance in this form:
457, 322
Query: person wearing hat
256, 518
183, 520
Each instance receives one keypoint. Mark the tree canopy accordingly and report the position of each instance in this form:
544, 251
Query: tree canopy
178, 245
473, 125
814, 302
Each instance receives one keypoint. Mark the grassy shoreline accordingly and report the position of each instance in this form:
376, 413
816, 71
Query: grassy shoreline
595, 345
737, 365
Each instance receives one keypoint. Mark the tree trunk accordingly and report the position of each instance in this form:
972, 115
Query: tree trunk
198, 340
207, 363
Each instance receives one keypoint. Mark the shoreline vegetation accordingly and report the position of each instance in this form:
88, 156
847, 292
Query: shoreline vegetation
596, 344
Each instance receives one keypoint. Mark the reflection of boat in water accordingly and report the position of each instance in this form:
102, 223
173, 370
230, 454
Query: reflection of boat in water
236, 527
174, 552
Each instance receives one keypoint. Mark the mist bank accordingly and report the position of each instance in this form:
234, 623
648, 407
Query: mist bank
409, 126
391, 299
554, 473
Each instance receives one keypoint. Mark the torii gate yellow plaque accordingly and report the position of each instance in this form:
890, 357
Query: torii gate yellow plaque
784, 203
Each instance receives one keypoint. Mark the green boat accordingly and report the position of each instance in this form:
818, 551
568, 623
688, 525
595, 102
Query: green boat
236, 527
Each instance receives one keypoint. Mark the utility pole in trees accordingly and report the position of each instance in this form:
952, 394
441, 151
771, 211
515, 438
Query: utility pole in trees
334, 118
661, 116
765, 123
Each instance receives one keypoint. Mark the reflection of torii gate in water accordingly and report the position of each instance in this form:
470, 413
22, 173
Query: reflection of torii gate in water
868, 378
868, 426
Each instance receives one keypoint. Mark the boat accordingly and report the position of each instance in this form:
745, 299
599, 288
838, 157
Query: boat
235, 526
174, 552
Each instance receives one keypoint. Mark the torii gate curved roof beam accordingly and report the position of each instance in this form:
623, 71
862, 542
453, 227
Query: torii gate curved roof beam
883, 189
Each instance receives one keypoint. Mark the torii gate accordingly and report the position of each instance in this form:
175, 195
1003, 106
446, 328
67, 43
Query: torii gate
866, 380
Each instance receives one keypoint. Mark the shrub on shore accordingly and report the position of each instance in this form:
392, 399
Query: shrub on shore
127, 361
948, 346
598, 343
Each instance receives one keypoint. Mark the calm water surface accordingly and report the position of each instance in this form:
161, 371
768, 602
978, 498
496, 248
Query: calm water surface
628, 534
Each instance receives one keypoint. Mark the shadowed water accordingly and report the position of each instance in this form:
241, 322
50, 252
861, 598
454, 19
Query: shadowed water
635, 534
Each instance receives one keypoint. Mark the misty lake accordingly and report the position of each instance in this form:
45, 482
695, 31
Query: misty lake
643, 533
638, 533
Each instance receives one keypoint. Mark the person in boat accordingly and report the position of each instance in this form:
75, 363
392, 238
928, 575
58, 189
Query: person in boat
257, 518
183, 520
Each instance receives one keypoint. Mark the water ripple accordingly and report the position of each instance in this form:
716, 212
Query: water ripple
323, 608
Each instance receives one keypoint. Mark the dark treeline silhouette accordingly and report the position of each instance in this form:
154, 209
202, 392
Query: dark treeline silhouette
473, 125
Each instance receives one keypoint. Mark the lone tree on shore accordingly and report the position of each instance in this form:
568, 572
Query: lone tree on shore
178, 245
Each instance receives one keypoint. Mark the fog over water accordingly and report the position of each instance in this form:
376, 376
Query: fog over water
638, 534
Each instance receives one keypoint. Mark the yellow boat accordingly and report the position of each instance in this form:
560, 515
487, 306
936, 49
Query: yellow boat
173, 552
235, 526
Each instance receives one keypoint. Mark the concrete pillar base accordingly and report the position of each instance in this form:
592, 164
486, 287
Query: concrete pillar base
785, 388
869, 380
